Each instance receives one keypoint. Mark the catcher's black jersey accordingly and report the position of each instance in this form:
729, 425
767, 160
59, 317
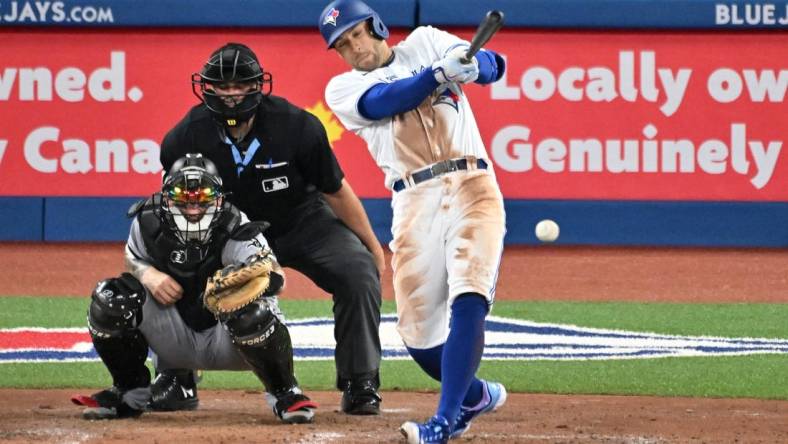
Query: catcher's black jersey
276, 173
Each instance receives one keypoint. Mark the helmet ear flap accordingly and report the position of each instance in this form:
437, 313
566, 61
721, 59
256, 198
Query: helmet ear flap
379, 30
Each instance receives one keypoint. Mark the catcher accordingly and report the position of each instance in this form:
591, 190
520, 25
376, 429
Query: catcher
225, 318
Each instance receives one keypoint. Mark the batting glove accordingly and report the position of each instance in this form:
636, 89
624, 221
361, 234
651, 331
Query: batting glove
451, 68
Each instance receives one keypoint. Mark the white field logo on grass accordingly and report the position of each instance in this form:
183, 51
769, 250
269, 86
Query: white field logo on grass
505, 339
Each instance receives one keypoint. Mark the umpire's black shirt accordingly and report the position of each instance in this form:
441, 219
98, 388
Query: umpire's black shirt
281, 182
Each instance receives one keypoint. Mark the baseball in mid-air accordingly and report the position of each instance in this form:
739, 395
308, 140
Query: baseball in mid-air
547, 230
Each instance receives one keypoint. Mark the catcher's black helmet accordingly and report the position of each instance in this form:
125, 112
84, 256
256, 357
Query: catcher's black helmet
192, 198
232, 63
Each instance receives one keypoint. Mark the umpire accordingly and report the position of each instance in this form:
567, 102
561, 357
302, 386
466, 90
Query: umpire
277, 166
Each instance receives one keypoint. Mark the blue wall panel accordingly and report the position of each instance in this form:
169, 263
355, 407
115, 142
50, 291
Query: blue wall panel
379, 212
624, 223
615, 14
21, 218
192, 13
686, 224
609, 14
87, 218
633, 223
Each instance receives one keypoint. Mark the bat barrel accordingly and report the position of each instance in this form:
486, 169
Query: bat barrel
490, 25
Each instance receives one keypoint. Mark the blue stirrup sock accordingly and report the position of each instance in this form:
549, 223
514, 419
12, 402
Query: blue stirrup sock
429, 360
455, 362
462, 352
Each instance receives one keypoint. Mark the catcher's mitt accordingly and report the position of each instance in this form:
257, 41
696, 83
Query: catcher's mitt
236, 286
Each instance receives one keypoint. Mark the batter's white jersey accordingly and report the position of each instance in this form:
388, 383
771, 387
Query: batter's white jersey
447, 231
442, 127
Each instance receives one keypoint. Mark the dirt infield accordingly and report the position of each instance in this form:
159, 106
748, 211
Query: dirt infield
233, 417
537, 273
527, 273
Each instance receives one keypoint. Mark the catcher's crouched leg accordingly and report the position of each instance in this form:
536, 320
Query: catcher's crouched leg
114, 314
264, 342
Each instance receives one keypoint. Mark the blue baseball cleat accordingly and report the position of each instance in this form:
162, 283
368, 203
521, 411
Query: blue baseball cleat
493, 396
436, 430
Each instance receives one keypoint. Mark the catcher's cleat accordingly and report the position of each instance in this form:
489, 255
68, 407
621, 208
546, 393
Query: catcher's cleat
174, 390
493, 396
436, 430
106, 404
361, 398
293, 407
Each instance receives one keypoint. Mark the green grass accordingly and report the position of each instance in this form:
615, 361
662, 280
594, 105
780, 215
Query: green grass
728, 320
755, 376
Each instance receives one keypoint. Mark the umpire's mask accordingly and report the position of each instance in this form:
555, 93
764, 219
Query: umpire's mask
232, 84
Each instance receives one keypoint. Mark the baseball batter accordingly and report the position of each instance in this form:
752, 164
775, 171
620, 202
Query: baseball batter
407, 103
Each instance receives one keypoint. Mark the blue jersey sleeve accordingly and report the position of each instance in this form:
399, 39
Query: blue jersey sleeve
389, 99
491, 66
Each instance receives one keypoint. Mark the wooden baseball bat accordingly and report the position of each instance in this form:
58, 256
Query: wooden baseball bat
490, 25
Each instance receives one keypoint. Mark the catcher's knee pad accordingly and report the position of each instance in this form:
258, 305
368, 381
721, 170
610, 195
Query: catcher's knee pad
116, 307
255, 325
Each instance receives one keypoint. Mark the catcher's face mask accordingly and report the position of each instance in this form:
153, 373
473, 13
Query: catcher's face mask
191, 203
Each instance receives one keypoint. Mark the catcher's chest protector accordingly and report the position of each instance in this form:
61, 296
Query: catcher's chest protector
189, 266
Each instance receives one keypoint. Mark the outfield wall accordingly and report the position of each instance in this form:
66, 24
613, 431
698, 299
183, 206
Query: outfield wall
630, 122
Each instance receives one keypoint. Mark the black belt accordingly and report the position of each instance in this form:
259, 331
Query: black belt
439, 169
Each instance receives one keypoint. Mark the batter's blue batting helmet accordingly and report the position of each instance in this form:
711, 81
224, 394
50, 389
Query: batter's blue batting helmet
341, 15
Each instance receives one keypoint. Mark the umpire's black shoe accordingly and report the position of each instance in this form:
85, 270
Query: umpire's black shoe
173, 390
361, 398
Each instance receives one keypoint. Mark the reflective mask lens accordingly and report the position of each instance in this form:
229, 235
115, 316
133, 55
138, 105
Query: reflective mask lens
197, 196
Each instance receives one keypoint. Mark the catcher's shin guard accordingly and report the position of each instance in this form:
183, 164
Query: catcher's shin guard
125, 360
113, 316
264, 342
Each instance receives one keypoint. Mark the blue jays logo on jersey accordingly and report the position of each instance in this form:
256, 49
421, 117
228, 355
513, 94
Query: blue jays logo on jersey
331, 17
448, 97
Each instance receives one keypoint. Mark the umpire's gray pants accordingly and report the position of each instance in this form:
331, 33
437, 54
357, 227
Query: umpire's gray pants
175, 345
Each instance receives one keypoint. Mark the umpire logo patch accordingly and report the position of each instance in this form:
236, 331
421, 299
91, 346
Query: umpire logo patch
275, 184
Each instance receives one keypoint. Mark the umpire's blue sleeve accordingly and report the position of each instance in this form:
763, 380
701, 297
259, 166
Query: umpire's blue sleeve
389, 99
